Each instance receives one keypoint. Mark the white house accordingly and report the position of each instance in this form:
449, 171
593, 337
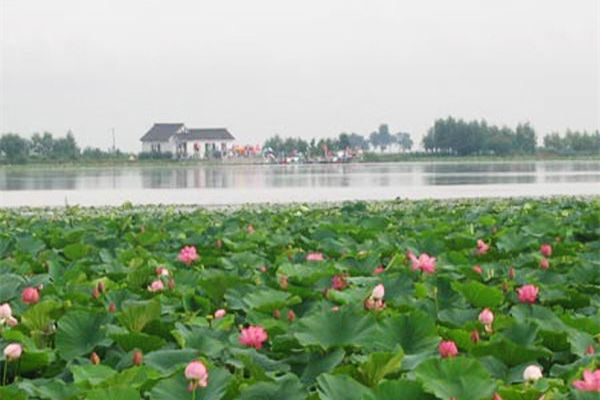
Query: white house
182, 142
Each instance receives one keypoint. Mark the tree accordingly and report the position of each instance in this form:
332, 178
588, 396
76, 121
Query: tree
15, 150
525, 139
404, 141
381, 138
65, 148
42, 145
344, 141
358, 141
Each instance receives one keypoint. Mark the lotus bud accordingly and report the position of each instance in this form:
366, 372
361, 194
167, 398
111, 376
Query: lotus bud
13, 351
448, 349
94, 358
475, 336
5, 311
283, 282
30, 295
378, 292
486, 317
137, 358
546, 250
291, 315
532, 373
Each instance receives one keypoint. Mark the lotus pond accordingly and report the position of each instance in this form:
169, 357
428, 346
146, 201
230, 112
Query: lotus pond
465, 300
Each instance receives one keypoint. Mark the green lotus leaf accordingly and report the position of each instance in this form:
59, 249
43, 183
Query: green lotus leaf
167, 361
92, 374
415, 332
285, 387
391, 390
340, 387
79, 332
456, 377
175, 387
113, 393
329, 329
135, 315
480, 295
379, 365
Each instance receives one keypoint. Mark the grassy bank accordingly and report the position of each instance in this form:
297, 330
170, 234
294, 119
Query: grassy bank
367, 158
337, 307
424, 157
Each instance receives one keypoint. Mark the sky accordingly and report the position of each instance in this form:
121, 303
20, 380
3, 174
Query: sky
310, 68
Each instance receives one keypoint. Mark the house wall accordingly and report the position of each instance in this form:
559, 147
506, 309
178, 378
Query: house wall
201, 153
164, 147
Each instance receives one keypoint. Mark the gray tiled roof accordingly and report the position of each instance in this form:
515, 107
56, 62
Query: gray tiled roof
161, 132
207, 134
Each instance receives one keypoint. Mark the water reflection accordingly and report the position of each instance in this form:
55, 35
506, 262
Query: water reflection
303, 176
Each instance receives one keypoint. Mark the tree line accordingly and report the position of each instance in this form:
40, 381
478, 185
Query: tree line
448, 136
458, 137
380, 139
15, 149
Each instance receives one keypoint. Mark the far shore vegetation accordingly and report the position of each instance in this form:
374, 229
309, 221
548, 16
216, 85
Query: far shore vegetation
448, 139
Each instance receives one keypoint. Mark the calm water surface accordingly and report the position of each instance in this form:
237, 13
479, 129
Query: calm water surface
237, 184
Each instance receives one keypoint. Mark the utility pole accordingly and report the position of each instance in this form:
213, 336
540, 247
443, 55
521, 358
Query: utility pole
114, 149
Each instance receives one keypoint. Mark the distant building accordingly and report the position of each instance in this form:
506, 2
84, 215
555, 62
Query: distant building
182, 142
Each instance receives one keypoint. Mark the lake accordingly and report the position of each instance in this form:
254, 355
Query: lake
239, 184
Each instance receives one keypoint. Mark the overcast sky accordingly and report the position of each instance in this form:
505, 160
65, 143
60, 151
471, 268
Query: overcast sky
309, 68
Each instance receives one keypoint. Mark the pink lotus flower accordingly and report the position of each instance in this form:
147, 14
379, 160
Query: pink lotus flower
188, 255
161, 271
486, 317
447, 349
338, 282
12, 322
590, 350
197, 373
314, 257
30, 295
528, 294
590, 382
250, 229
220, 313
544, 263
156, 286
5, 311
425, 263
378, 292
13, 351
477, 269
546, 250
379, 270
496, 396
482, 247
253, 336
512, 273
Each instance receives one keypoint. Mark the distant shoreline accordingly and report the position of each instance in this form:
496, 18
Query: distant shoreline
368, 158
